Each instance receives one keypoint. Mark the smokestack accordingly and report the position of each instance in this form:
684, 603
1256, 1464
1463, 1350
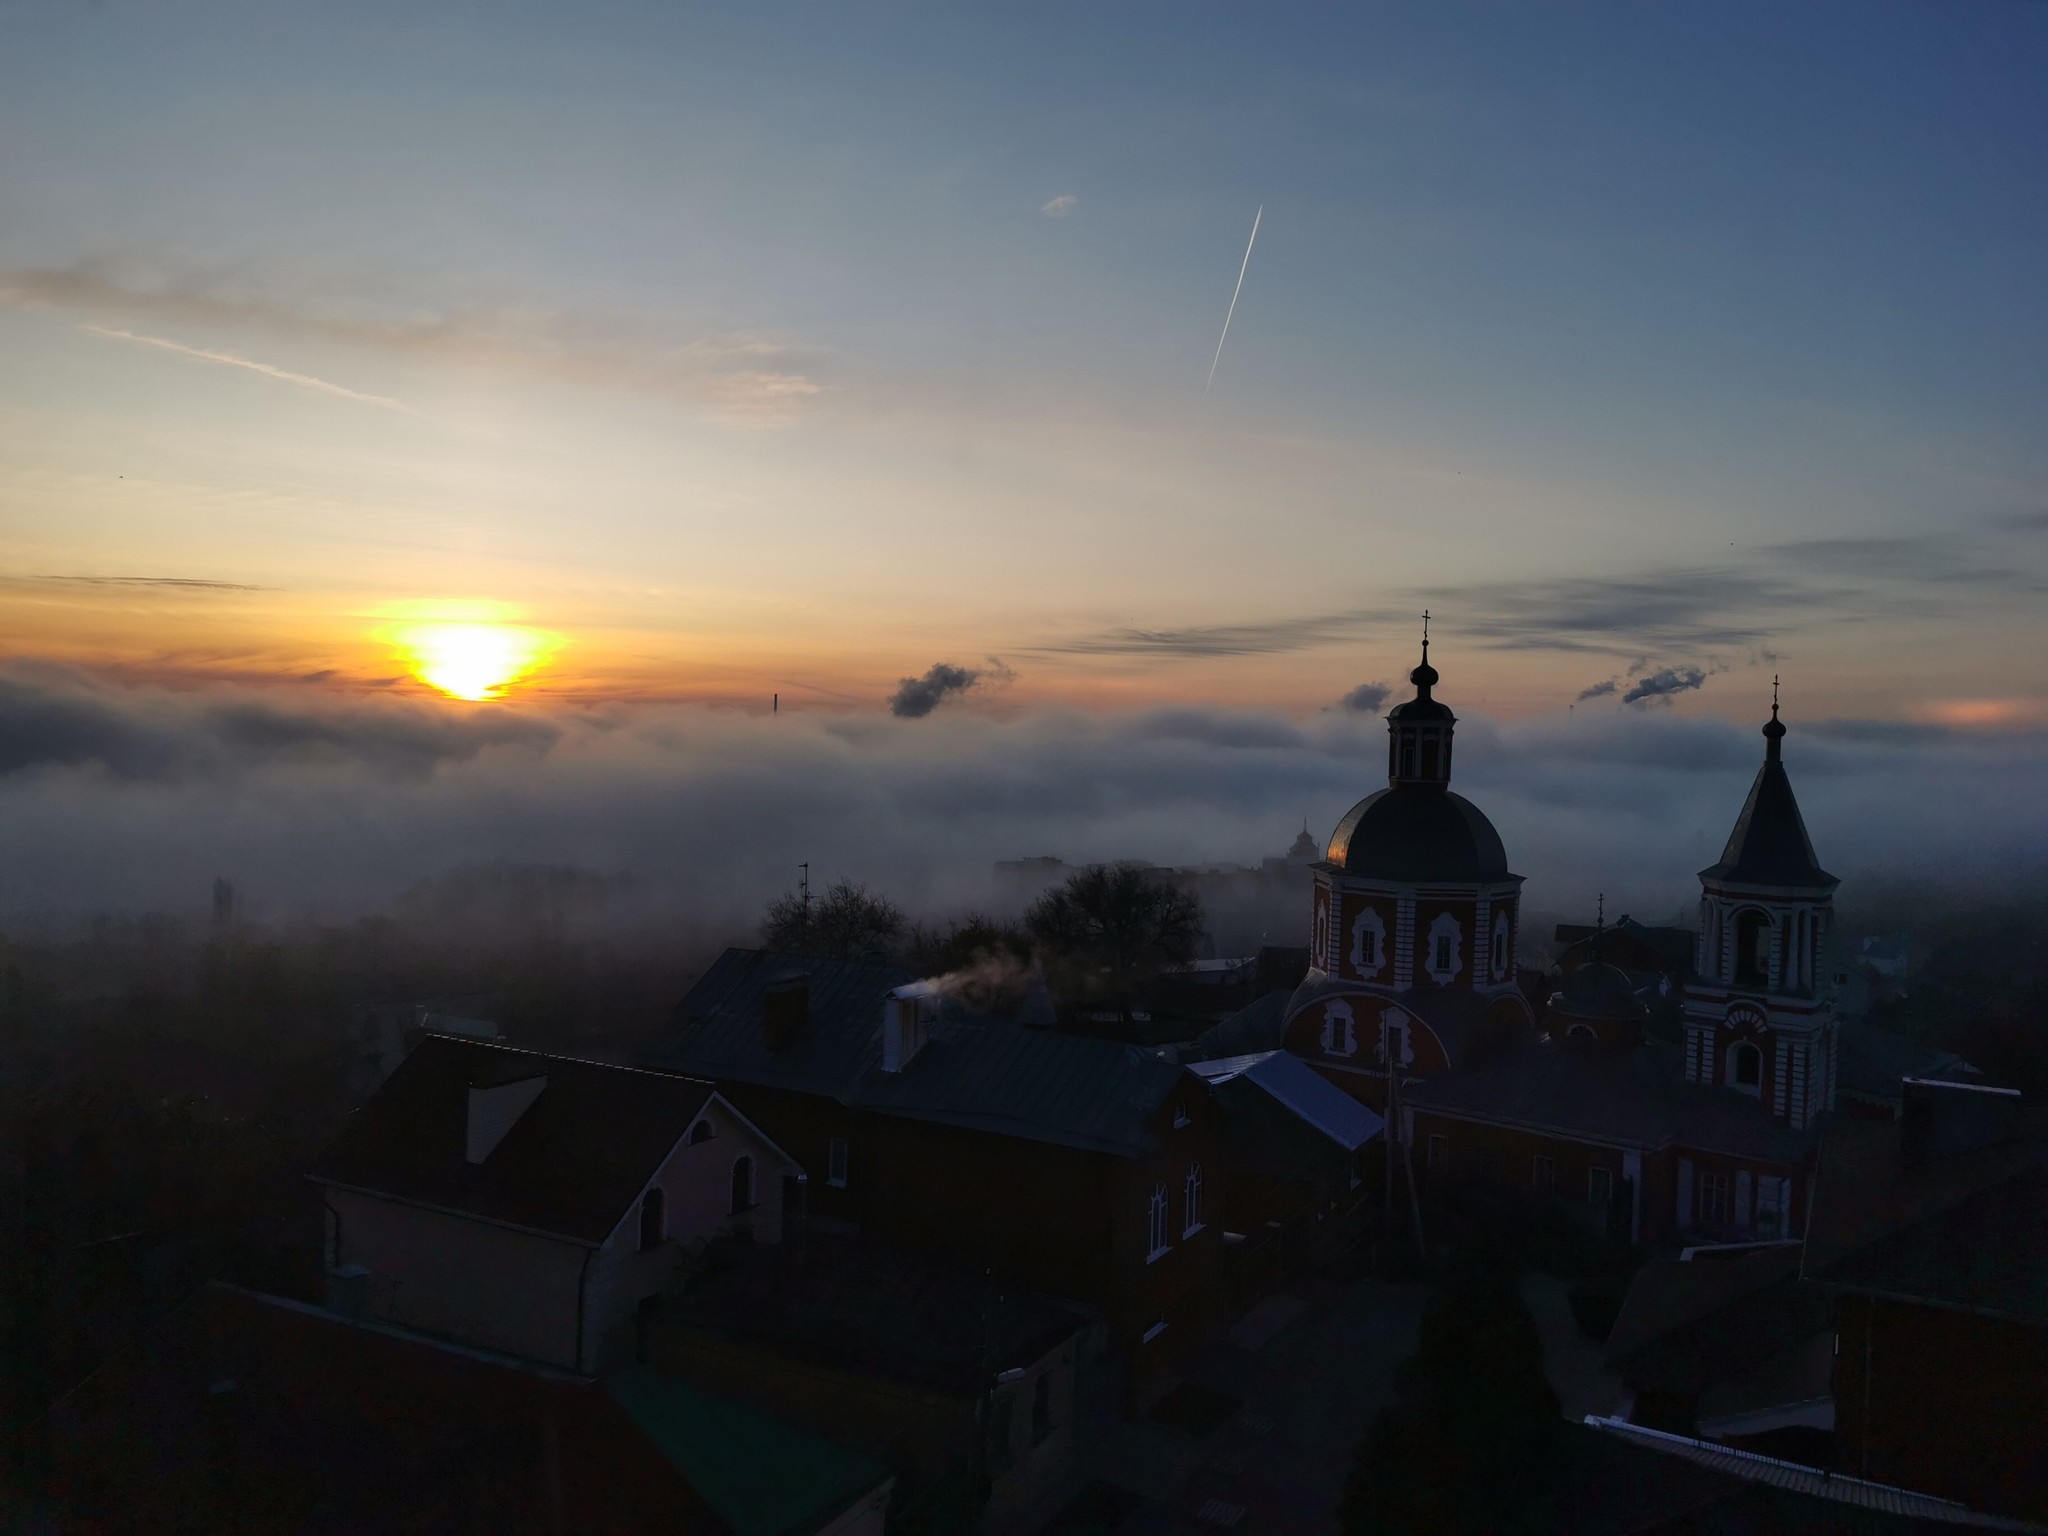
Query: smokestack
907, 1017
786, 1008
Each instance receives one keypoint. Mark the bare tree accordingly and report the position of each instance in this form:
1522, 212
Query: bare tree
844, 919
1113, 926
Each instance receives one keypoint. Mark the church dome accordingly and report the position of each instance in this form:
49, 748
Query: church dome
1597, 990
1418, 832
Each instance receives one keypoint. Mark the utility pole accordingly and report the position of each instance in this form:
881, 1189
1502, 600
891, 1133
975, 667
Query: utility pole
803, 886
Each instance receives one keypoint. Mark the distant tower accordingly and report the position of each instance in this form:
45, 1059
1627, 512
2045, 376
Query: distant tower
1760, 1019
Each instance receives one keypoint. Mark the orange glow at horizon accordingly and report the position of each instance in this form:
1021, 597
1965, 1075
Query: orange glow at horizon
469, 660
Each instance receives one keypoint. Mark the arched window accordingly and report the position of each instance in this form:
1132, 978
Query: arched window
1429, 758
1155, 1223
742, 1185
1581, 1032
653, 1220
1193, 1200
1753, 950
1500, 948
700, 1133
1745, 1067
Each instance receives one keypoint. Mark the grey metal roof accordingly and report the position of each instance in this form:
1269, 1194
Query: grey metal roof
572, 1164
1769, 845
975, 1072
1418, 832
1301, 1090
1258, 1026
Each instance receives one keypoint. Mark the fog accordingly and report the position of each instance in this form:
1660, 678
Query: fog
129, 798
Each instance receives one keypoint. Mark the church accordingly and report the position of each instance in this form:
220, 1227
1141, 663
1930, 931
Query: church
1416, 929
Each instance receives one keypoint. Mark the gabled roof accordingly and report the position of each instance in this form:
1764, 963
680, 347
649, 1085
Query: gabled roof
974, 1072
1302, 1091
1258, 1026
571, 1166
1769, 845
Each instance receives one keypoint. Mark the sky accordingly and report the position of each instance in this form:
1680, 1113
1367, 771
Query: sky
857, 355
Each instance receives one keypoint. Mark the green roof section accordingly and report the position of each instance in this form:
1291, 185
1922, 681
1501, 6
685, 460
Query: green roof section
765, 1477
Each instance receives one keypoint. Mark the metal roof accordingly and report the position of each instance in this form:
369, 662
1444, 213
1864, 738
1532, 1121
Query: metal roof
571, 1166
1769, 845
1303, 1092
975, 1072
1418, 832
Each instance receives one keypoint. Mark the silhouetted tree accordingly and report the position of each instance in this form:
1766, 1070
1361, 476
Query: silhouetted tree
1112, 926
1472, 1423
843, 919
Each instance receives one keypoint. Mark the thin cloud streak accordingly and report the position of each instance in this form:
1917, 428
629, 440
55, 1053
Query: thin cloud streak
269, 370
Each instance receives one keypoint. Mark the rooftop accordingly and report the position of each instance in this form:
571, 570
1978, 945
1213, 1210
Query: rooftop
572, 1164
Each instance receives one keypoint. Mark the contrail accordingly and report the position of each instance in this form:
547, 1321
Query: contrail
303, 380
1233, 299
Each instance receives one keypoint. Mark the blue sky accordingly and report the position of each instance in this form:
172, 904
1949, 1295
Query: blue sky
753, 344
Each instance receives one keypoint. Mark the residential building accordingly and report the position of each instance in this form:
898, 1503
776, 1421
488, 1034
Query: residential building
1078, 1167
530, 1204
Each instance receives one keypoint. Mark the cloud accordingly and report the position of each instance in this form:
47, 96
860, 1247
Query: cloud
124, 797
51, 719
916, 697
170, 583
1365, 699
1599, 690
1659, 686
1059, 207
229, 359
741, 379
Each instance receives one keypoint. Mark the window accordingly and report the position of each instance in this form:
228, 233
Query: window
1338, 1039
653, 1220
1180, 1114
1445, 950
1771, 1196
1155, 1224
1582, 1032
1368, 942
1500, 950
742, 1185
1193, 1200
1545, 1176
1714, 1203
700, 1133
1439, 1154
835, 1163
1041, 1406
1746, 1066
1599, 1188
1753, 950
1443, 953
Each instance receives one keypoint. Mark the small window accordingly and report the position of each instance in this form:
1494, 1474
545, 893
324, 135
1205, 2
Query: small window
1500, 950
1747, 1066
1545, 1175
1155, 1224
700, 1133
1180, 1114
1439, 1154
653, 1220
742, 1185
1599, 1188
1714, 1202
1041, 1406
835, 1163
1443, 952
1193, 1200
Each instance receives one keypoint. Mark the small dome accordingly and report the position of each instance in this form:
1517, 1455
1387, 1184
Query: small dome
1418, 832
1597, 990
1304, 846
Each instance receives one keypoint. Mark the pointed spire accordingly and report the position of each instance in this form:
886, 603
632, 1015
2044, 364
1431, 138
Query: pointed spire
1769, 845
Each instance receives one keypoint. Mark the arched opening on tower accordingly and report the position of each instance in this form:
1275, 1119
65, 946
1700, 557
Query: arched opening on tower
1753, 950
1746, 1068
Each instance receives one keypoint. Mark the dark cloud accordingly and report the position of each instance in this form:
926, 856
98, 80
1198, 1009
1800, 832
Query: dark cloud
1599, 690
50, 719
1365, 699
1663, 683
916, 697
176, 583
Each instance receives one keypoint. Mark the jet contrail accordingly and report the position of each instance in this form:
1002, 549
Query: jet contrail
303, 380
1233, 298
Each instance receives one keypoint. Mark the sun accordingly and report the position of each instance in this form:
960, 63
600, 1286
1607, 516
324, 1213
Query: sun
470, 660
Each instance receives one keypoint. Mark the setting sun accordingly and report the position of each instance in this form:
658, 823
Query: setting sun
469, 660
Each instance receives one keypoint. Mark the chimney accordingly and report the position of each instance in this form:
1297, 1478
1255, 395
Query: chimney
908, 1014
1938, 1119
495, 1105
787, 1008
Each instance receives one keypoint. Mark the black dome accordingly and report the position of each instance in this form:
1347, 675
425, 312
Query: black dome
1598, 990
1418, 832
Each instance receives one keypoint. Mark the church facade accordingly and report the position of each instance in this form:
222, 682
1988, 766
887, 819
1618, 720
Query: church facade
1413, 948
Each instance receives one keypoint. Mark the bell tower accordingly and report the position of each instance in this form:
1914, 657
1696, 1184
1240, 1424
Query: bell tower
1760, 1019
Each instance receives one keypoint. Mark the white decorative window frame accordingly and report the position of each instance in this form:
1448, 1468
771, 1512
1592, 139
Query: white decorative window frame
1504, 945
1368, 944
1445, 926
1340, 1033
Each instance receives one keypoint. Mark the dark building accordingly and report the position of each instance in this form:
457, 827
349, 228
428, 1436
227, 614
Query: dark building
1078, 1167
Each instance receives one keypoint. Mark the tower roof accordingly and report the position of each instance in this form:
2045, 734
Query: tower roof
1769, 845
